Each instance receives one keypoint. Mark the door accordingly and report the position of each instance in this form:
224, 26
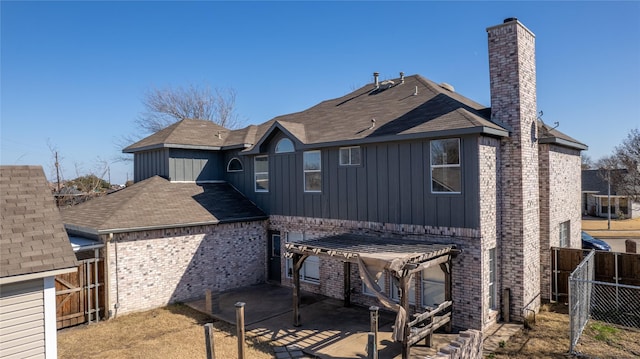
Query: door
274, 256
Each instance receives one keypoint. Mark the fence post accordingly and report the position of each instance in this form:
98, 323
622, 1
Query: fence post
630, 246
207, 301
240, 328
208, 338
372, 348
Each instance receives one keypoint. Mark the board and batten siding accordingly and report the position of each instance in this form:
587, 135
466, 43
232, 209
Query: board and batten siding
22, 327
391, 185
179, 165
151, 163
195, 165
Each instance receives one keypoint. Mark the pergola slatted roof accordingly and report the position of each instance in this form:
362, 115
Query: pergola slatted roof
353, 245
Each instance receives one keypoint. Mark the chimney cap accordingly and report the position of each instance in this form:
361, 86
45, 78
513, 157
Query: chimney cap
509, 19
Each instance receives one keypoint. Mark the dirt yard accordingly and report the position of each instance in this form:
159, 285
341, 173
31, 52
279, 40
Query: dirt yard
172, 332
177, 332
549, 338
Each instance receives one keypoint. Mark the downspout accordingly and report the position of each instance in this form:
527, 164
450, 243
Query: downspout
117, 304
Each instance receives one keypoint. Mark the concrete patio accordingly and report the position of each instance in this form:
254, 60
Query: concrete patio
328, 330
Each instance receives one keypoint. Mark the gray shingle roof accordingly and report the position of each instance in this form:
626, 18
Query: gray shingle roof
185, 133
32, 236
158, 203
595, 181
396, 110
548, 134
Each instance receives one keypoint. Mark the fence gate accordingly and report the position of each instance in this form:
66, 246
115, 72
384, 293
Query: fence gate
80, 295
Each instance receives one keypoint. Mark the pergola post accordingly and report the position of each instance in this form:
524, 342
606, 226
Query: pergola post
297, 259
404, 303
446, 268
347, 284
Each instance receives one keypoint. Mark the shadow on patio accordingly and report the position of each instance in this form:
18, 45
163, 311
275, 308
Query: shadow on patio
328, 330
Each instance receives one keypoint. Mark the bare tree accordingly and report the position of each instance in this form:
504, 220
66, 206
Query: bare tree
587, 162
627, 156
165, 106
622, 168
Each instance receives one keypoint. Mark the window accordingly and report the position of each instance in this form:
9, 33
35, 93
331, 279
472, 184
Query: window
284, 145
381, 283
445, 166
310, 270
565, 229
395, 290
234, 165
261, 171
492, 279
432, 287
350, 156
312, 171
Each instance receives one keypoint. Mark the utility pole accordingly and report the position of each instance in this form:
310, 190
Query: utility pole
57, 164
609, 199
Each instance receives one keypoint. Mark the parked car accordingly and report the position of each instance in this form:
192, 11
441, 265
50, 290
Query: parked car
588, 242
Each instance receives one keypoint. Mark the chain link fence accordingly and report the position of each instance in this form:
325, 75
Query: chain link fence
607, 302
580, 288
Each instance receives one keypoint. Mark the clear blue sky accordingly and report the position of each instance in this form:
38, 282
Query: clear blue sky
73, 73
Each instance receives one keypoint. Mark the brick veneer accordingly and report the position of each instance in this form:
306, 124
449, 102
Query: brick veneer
467, 277
513, 102
560, 193
149, 269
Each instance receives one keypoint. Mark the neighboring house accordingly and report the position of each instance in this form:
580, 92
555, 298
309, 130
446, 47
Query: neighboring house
34, 249
596, 195
407, 164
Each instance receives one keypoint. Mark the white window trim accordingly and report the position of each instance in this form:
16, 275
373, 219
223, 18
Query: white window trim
350, 148
229, 163
304, 173
432, 166
256, 173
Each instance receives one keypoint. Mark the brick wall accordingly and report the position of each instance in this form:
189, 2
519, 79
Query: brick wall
149, 269
560, 201
468, 345
489, 151
513, 102
467, 277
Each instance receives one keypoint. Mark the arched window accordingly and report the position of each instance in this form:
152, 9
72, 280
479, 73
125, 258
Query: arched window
234, 165
284, 145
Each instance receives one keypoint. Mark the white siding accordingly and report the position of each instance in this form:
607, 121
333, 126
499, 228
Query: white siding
22, 320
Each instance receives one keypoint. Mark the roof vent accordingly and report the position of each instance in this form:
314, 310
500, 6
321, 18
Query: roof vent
401, 77
509, 19
375, 79
387, 84
447, 87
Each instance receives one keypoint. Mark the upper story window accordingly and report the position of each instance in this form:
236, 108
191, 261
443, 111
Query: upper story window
350, 156
446, 176
565, 229
261, 173
312, 171
284, 145
234, 165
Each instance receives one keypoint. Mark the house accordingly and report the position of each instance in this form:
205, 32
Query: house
403, 191
596, 195
34, 249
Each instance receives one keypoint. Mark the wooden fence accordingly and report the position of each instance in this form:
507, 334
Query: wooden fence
611, 267
80, 296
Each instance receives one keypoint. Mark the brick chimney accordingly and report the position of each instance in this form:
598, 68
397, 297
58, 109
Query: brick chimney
512, 71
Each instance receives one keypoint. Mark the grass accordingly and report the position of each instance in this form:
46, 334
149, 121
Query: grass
599, 225
549, 338
175, 331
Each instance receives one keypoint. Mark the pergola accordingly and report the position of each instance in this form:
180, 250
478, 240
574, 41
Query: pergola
400, 257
